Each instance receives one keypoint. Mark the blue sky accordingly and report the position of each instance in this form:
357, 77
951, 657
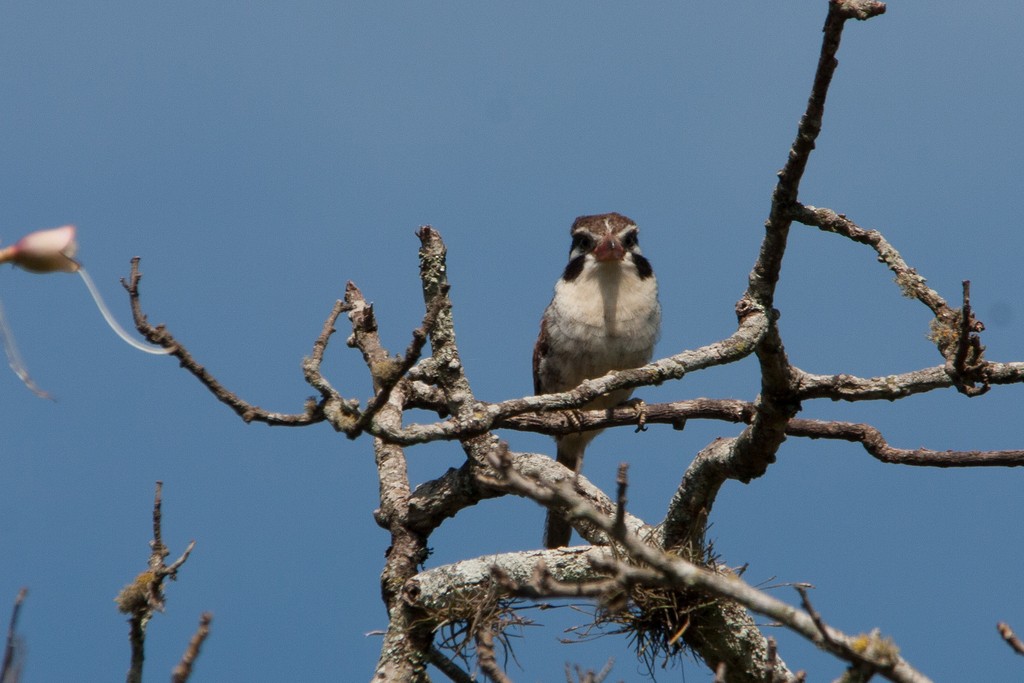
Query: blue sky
258, 156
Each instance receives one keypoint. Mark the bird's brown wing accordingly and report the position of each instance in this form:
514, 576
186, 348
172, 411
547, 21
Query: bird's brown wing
540, 350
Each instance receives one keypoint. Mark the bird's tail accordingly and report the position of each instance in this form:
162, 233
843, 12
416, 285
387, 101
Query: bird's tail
557, 529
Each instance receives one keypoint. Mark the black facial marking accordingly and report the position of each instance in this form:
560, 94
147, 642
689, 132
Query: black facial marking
575, 267
643, 267
630, 240
581, 241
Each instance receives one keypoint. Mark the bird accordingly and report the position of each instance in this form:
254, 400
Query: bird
604, 316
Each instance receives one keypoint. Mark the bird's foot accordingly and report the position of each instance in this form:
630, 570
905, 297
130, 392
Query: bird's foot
640, 410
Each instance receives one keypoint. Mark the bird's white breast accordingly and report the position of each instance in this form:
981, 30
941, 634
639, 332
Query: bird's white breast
607, 318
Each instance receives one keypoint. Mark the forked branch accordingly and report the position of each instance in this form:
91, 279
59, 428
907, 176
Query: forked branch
144, 596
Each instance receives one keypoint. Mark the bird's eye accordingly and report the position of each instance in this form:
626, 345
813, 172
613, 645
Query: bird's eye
630, 240
582, 242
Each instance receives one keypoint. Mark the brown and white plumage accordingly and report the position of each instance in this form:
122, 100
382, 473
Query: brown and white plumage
604, 316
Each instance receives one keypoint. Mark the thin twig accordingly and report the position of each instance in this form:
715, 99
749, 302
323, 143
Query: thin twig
911, 284
815, 617
955, 332
311, 365
486, 657
159, 550
398, 368
966, 364
183, 669
144, 596
449, 668
589, 676
1010, 637
875, 444
766, 271
10, 670
161, 337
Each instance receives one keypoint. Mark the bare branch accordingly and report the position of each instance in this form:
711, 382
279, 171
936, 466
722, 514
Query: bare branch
754, 449
845, 387
451, 374
144, 596
659, 568
588, 675
745, 648
633, 554
386, 377
813, 613
965, 363
773, 656
861, 10
548, 475
911, 284
434, 501
690, 506
409, 637
183, 669
10, 670
455, 590
688, 511
364, 333
766, 271
875, 444
486, 416
953, 331
448, 667
675, 414
528, 413
161, 337
485, 655
311, 366
1010, 637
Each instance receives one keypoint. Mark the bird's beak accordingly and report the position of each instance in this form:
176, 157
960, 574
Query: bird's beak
609, 249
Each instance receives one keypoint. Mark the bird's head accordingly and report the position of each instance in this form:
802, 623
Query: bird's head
608, 238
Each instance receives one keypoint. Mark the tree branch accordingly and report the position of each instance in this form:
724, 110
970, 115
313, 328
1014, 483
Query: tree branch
911, 284
144, 596
388, 372
1010, 637
485, 655
875, 444
954, 331
183, 670
633, 554
10, 669
572, 488
161, 337
486, 416
448, 667
754, 449
332, 406
656, 567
